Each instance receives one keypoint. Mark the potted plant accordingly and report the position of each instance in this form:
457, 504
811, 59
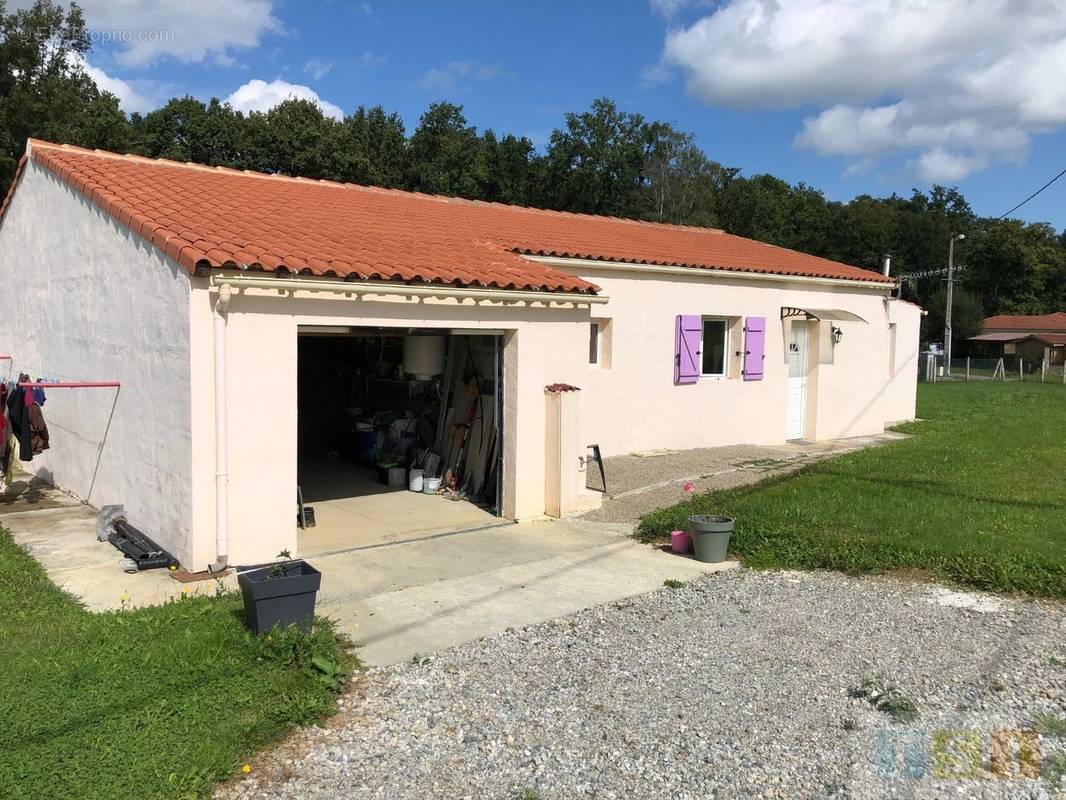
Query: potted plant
280, 594
710, 536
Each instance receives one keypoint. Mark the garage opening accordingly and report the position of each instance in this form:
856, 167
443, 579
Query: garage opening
400, 434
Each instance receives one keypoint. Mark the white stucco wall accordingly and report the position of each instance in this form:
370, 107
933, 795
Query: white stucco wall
89, 300
542, 346
632, 406
635, 406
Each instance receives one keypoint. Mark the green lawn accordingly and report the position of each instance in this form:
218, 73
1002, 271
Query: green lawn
977, 496
155, 702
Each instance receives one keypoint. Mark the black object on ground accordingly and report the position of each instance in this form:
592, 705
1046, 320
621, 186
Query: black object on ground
145, 553
598, 458
279, 595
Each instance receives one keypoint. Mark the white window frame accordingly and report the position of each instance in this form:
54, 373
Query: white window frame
726, 324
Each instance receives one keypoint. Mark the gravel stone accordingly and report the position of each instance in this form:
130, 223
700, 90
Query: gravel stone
738, 685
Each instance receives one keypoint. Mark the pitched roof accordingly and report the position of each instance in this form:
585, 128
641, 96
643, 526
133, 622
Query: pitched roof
212, 217
1003, 337
1019, 322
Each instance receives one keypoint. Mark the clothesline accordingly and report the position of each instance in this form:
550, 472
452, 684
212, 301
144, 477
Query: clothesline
70, 385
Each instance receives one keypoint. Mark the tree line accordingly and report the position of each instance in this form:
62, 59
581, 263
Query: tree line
603, 160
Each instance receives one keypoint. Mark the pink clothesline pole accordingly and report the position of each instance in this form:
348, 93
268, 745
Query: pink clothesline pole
5, 358
71, 385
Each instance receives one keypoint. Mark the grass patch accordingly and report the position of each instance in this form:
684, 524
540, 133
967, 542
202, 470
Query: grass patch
154, 702
1050, 724
673, 583
977, 496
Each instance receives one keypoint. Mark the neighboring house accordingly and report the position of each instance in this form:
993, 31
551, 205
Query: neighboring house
200, 289
1032, 338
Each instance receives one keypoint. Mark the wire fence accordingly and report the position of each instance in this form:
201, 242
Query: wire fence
934, 368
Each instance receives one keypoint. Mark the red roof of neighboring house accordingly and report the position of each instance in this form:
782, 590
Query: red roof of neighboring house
1004, 337
1018, 322
212, 217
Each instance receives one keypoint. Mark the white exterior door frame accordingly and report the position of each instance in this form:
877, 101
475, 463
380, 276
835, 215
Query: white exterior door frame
798, 366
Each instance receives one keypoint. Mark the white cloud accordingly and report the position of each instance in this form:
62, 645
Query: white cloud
317, 68
668, 8
129, 98
451, 75
258, 95
941, 166
958, 85
372, 60
144, 31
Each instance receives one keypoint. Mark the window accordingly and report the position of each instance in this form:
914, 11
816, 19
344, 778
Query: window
892, 349
713, 347
600, 343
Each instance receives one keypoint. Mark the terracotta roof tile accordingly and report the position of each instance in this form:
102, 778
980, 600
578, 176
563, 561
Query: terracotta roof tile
210, 217
1019, 322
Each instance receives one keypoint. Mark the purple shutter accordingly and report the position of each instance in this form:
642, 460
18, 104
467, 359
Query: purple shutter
687, 348
754, 347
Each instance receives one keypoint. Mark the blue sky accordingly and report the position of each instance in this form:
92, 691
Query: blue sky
848, 96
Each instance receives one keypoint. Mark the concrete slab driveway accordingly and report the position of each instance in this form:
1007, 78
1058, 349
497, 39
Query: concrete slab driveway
394, 599
420, 597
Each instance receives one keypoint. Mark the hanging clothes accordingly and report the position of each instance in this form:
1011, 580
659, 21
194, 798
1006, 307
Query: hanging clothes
38, 395
38, 430
3, 421
19, 417
9, 460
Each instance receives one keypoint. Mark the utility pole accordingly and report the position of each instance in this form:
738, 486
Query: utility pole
955, 237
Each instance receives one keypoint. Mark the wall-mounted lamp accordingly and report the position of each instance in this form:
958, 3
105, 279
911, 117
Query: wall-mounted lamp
838, 334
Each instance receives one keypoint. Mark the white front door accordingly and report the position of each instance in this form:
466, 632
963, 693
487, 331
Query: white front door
797, 380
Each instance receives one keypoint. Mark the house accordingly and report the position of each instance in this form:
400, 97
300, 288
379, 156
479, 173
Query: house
1032, 338
271, 333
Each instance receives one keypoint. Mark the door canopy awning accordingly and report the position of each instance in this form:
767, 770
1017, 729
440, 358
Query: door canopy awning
827, 314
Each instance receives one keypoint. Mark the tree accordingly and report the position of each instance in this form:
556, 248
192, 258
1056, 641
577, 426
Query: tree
445, 155
510, 163
683, 183
374, 148
966, 316
44, 89
187, 130
596, 164
303, 141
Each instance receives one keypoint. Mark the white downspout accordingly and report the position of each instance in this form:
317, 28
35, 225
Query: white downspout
225, 294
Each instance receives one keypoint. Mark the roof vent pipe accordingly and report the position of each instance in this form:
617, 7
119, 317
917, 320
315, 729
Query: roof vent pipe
225, 294
886, 264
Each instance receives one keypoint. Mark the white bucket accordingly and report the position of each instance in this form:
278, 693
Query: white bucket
416, 481
397, 476
431, 485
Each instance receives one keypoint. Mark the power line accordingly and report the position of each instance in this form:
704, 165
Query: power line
1034, 194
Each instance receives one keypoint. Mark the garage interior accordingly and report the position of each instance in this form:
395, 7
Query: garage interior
399, 434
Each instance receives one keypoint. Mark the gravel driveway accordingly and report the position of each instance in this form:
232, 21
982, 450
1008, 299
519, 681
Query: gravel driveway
735, 686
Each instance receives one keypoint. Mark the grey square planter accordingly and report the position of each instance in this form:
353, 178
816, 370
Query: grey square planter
277, 601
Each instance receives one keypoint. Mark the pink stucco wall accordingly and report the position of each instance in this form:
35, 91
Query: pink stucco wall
632, 405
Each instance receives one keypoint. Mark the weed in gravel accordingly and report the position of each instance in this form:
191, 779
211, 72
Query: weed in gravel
530, 794
673, 583
1055, 661
1050, 724
419, 659
1053, 769
886, 698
